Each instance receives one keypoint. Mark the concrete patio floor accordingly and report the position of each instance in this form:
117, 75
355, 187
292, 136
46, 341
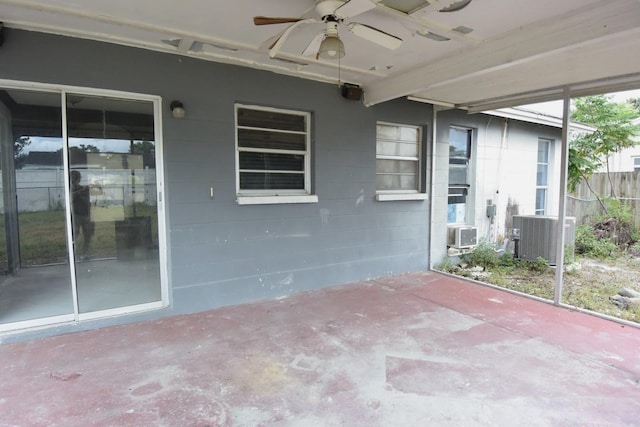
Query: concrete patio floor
413, 350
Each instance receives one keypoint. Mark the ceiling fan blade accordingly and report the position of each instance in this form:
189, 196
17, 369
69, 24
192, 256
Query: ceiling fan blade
456, 6
375, 35
353, 8
265, 20
313, 47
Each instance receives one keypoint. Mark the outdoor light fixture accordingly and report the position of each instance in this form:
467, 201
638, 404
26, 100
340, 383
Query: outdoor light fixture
177, 110
331, 48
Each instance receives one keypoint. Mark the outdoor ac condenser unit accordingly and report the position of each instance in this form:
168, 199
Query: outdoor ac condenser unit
462, 236
539, 235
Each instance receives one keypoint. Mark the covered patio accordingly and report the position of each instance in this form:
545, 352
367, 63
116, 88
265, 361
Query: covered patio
415, 349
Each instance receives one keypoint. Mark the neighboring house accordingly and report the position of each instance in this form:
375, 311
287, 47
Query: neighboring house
627, 159
501, 163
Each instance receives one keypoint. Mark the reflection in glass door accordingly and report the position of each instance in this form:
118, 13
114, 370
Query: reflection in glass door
113, 202
35, 281
78, 207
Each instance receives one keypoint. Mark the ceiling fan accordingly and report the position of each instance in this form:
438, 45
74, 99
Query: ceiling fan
327, 44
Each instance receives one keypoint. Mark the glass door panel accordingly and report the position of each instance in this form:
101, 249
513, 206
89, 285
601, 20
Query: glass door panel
114, 205
36, 278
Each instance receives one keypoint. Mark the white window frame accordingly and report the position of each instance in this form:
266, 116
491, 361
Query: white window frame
397, 194
466, 187
275, 196
543, 210
636, 163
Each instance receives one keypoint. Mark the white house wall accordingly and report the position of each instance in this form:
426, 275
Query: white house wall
222, 253
502, 169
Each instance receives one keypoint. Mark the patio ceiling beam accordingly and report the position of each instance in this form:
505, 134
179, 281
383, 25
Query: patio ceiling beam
596, 24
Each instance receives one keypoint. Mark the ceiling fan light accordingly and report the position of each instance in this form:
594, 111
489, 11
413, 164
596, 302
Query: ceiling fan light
331, 48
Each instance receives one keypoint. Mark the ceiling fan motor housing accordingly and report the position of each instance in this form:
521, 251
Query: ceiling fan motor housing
326, 9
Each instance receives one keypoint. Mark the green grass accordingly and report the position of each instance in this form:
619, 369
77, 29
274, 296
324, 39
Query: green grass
43, 236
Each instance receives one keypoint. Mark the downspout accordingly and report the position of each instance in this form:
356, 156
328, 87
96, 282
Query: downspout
503, 143
562, 205
434, 120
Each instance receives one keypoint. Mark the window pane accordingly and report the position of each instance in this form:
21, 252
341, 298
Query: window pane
457, 174
459, 142
456, 212
271, 140
402, 149
271, 181
266, 161
397, 166
543, 151
408, 133
387, 132
396, 182
271, 120
542, 175
541, 198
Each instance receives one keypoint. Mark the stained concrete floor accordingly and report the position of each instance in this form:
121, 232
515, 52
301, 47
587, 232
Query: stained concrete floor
413, 350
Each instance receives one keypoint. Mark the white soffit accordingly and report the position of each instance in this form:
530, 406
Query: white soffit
490, 51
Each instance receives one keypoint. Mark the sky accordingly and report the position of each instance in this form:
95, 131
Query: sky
554, 108
54, 144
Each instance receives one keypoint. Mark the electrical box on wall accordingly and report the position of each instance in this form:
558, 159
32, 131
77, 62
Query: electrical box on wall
462, 236
351, 92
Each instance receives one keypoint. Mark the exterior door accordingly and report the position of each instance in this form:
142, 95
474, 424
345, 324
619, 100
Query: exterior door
35, 280
114, 211
80, 235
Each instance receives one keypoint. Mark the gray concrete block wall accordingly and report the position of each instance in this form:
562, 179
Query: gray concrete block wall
219, 252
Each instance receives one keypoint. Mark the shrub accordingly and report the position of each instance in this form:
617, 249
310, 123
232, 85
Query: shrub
484, 255
588, 244
447, 266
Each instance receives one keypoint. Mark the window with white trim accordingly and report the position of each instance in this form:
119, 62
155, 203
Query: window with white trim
542, 176
636, 164
398, 154
459, 159
272, 155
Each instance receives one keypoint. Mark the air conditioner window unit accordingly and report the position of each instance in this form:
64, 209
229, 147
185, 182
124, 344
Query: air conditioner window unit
462, 236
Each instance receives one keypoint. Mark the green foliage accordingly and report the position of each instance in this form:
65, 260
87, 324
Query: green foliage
619, 210
447, 266
614, 131
484, 255
588, 244
540, 265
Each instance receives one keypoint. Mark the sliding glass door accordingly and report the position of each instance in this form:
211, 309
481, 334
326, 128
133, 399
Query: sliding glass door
113, 198
79, 209
36, 280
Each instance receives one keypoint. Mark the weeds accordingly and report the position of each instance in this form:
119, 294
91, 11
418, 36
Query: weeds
588, 244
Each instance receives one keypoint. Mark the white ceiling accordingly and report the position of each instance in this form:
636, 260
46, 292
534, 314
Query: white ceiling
518, 50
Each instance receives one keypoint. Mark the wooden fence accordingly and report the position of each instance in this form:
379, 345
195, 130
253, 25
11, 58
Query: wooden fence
626, 188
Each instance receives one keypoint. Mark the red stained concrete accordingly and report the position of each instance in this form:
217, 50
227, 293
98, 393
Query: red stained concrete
412, 350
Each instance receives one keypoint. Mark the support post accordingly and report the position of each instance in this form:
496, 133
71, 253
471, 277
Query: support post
562, 205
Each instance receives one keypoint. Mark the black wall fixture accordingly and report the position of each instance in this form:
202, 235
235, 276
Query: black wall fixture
351, 91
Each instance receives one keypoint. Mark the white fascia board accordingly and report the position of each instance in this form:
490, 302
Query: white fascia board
536, 117
576, 29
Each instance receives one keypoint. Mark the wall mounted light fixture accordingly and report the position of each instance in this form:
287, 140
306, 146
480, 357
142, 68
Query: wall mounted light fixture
177, 109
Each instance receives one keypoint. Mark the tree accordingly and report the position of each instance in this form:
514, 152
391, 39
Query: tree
590, 151
635, 103
19, 155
